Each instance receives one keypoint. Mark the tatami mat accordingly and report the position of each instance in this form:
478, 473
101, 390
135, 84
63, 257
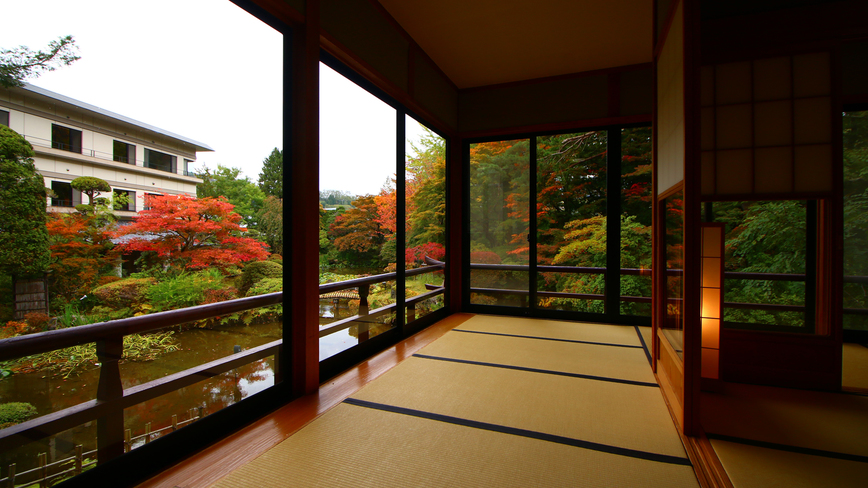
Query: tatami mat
572, 357
855, 370
595, 411
556, 329
492, 409
827, 421
361, 447
758, 467
785, 437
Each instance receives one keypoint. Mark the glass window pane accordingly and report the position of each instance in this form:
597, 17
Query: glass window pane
499, 223
672, 327
856, 220
571, 221
425, 224
636, 197
764, 238
357, 214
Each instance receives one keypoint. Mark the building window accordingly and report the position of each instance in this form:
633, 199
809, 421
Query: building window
124, 200
124, 153
148, 197
4, 118
160, 161
65, 138
65, 195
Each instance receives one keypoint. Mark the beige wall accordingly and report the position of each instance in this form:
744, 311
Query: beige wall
670, 107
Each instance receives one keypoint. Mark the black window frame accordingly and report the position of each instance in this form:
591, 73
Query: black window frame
131, 204
614, 197
341, 361
4, 118
123, 152
66, 138
166, 159
62, 189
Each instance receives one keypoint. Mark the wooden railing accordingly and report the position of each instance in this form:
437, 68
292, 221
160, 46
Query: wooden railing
364, 318
112, 398
733, 275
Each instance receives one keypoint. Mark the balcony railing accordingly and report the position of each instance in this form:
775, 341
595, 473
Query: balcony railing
58, 202
45, 143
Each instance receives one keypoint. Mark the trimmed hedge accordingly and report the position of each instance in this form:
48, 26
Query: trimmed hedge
124, 293
256, 271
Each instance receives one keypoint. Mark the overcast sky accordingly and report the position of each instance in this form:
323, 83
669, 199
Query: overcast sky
209, 71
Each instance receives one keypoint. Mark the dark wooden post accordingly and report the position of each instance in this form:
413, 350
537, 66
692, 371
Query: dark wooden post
364, 331
411, 312
110, 428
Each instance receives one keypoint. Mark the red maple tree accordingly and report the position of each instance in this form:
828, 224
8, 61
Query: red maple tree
80, 253
190, 232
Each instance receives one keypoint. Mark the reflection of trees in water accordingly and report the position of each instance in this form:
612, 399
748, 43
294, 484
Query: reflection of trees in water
50, 394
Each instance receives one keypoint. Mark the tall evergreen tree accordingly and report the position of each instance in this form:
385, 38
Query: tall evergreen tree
23, 235
271, 178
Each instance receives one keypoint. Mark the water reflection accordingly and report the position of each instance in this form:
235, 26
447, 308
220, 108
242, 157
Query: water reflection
50, 393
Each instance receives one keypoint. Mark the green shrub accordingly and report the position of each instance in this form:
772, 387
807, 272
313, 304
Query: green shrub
184, 290
264, 286
256, 271
123, 293
15, 413
268, 285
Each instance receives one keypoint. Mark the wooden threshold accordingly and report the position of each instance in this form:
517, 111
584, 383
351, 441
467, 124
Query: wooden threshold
213, 463
706, 465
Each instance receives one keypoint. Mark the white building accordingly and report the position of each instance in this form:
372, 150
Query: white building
73, 138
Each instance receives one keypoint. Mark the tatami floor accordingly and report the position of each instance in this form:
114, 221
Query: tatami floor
495, 402
778, 437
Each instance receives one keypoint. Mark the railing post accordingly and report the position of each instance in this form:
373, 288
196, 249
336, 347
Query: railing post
411, 312
110, 428
43, 470
79, 455
363, 334
11, 475
278, 373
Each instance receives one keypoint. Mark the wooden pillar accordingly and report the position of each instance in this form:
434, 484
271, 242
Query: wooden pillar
301, 333
110, 428
455, 178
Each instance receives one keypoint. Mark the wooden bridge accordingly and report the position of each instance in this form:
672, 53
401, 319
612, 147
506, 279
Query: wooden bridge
351, 294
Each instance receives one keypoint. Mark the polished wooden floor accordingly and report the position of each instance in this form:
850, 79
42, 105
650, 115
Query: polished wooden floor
218, 460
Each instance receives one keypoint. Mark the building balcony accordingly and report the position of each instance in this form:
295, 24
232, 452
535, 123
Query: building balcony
121, 163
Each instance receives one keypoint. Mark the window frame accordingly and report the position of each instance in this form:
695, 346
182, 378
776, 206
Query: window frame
173, 160
129, 149
67, 141
612, 285
338, 363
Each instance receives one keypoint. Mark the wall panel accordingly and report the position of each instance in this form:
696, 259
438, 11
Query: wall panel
767, 126
362, 28
670, 108
433, 91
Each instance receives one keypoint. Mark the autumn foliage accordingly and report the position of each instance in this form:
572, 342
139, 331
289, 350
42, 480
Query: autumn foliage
190, 233
81, 251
